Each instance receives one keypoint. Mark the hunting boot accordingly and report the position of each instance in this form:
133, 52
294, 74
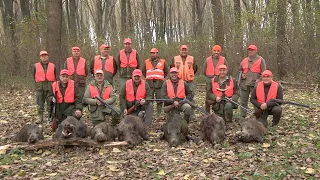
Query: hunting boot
159, 109
40, 117
228, 117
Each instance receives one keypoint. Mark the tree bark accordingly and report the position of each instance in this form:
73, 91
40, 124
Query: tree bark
281, 37
123, 7
25, 9
218, 22
238, 28
72, 20
54, 31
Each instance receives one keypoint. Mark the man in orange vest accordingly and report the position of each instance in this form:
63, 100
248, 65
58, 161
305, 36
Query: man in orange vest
187, 67
103, 89
261, 96
250, 69
211, 68
77, 69
105, 62
66, 96
133, 95
155, 70
223, 86
44, 74
176, 89
128, 60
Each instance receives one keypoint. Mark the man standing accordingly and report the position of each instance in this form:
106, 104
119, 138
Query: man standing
77, 68
67, 97
133, 95
104, 62
155, 70
211, 67
177, 90
262, 95
187, 67
102, 88
44, 74
128, 60
250, 69
223, 86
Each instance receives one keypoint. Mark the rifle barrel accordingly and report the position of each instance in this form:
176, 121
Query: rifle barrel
106, 104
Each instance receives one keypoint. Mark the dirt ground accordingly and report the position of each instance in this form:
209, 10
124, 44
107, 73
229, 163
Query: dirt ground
290, 151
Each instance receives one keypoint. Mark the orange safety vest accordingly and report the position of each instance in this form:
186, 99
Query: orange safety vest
141, 91
40, 76
81, 67
155, 72
131, 62
181, 93
108, 65
211, 70
255, 67
186, 71
94, 92
68, 95
272, 94
228, 92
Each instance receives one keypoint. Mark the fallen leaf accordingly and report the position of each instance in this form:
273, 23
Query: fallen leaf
94, 177
161, 172
38, 152
116, 150
186, 176
3, 149
156, 150
310, 171
265, 145
46, 153
35, 158
113, 168
101, 151
24, 158
3, 122
52, 174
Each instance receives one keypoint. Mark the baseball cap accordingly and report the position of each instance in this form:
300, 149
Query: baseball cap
222, 66
216, 48
183, 46
99, 71
43, 53
104, 46
154, 50
137, 72
174, 69
267, 73
64, 71
252, 47
75, 48
127, 40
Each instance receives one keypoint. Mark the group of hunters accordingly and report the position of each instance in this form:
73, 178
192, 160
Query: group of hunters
71, 92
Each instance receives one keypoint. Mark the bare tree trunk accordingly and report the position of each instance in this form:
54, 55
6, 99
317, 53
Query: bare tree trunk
317, 19
146, 20
25, 9
98, 23
281, 36
309, 36
11, 24
123, 7
238, 28
54, 31
218, 22
72, 20
130, 20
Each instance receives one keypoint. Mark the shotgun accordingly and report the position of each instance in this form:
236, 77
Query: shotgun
106, 104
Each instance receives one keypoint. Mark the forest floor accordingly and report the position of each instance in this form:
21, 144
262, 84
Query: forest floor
290, 151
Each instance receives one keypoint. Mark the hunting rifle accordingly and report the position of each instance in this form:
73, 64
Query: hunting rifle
258, 113
106, 104
53, 113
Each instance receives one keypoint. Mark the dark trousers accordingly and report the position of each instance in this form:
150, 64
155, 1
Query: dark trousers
276, 111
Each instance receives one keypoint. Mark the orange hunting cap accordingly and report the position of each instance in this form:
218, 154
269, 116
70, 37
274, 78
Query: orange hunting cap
64, 71
173, 69
252, 47
127, 40
104, 46
222, 66
267, 73
137, 72
216, 48
43, 53
75, 48
154, 50
183, 46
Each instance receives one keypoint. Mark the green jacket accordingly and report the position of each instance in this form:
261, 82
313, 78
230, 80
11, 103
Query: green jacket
64, 108
98, 112
45, 85
127, 71
223, 84
78, 80
126, 104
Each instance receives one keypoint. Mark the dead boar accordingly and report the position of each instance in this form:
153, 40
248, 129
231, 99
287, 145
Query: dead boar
103, 132
252, 131
132, 130
175, 130
30, 133
212, 128
70, 128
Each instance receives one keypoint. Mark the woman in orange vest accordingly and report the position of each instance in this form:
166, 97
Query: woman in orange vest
77, 69
133, 97
44, 73
261, 96
250, 70
187, 67
211, 67
155, 70
177, 90
104, 62
223, 86
103, 89
66, 96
